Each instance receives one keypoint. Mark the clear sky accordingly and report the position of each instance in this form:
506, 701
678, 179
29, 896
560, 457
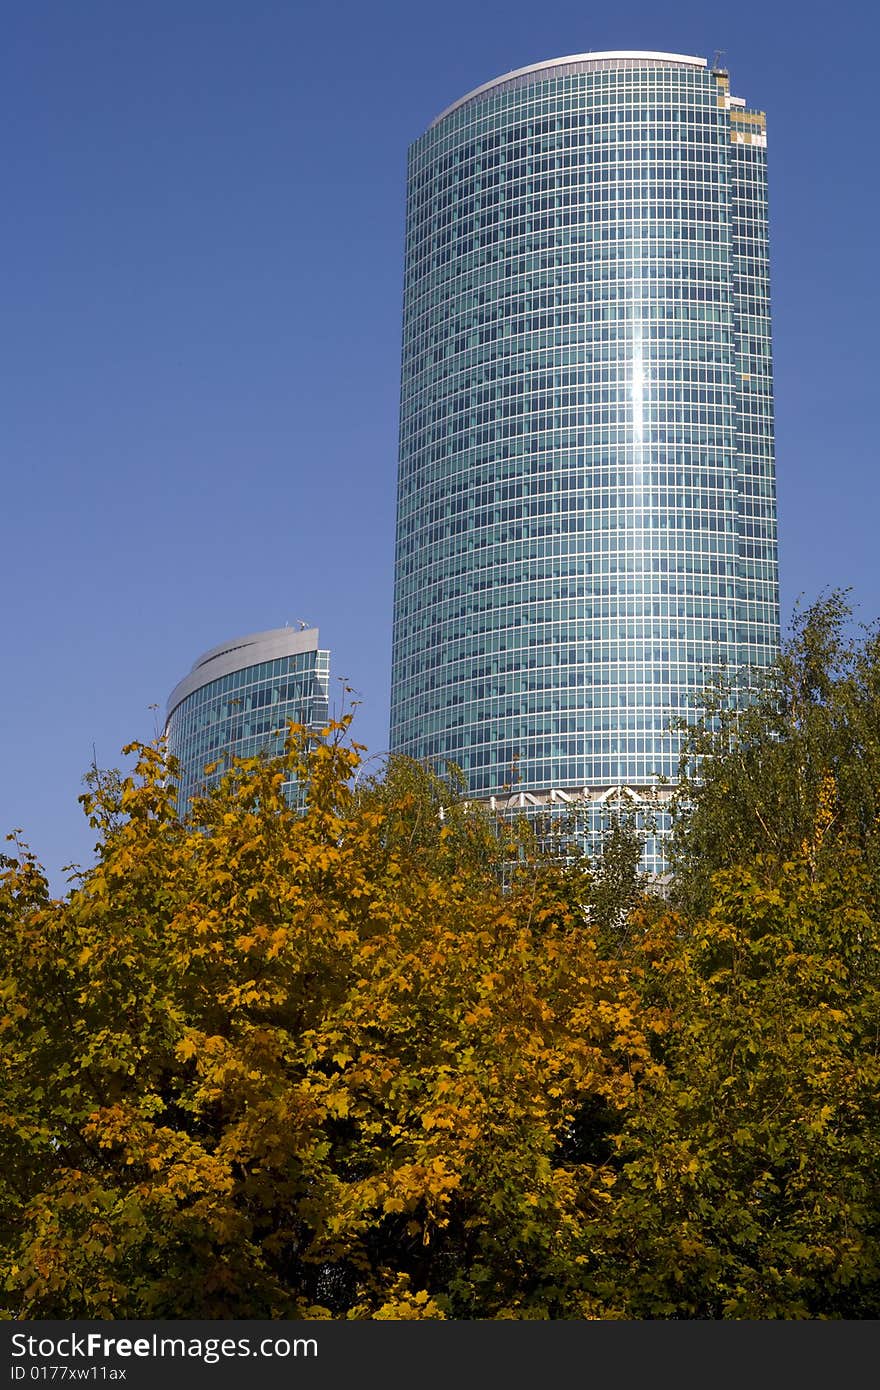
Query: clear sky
202, 233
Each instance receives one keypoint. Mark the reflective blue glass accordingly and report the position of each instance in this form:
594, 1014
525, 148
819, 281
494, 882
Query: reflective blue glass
586, 528
238, 700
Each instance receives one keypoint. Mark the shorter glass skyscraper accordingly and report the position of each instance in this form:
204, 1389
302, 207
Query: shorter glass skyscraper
238, 699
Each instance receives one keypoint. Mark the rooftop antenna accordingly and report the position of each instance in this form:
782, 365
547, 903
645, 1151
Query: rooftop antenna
717, 61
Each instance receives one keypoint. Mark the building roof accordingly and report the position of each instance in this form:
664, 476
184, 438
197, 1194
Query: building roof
240, 652
584, 62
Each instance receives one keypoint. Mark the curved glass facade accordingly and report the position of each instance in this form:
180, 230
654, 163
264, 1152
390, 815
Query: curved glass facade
586, 505
237, 701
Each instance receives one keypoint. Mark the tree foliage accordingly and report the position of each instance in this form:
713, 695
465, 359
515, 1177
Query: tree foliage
794, 768
750, 1181
262, 1064
395, 1058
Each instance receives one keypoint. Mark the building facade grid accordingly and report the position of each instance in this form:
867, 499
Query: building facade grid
586, 504
246, 711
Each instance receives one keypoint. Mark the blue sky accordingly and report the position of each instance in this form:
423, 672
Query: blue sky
203, 228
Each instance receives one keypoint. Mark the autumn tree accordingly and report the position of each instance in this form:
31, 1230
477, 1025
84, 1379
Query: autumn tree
396, 1057
323, 1065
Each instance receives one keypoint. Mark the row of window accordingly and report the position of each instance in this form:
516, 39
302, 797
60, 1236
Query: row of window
550, 107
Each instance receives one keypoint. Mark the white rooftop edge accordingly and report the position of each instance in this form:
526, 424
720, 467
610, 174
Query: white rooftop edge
239, 652
681, 58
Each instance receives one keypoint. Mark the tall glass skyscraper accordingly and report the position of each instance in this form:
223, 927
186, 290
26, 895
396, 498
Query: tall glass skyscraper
586, 523
237, 700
